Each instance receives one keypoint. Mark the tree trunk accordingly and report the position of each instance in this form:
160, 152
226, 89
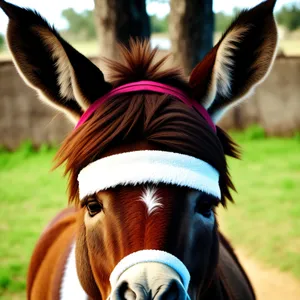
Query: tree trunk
117, 21
191, 27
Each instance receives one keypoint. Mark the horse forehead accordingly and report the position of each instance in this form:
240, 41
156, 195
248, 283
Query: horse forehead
155, 197
151, 199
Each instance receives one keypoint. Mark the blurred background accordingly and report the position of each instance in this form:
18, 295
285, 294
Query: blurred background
264, 222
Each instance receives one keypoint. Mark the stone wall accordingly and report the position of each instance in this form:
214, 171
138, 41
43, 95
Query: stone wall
23, 116
275, 106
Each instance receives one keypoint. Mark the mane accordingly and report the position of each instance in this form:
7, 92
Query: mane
159, 120
139, 62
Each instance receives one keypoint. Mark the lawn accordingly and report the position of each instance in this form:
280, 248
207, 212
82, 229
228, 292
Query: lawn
265, 220
30, 197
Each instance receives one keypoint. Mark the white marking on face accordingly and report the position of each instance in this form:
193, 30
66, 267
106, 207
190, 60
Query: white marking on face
151, 200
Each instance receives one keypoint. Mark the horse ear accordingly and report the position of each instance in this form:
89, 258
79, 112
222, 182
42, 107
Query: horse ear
61, 75
239, 61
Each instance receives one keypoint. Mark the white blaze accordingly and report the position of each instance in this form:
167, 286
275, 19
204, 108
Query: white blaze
151, 200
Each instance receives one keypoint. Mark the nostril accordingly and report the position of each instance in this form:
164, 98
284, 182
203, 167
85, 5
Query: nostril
124, 292
172, 291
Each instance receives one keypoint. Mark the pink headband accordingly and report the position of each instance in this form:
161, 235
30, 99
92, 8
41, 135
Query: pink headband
148, 86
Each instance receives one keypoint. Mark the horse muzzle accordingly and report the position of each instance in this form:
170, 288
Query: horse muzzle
150, 274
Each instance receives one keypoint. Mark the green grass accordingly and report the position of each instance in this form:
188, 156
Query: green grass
30, 197
265, 220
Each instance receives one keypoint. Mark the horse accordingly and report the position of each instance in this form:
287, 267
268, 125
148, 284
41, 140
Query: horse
146, 163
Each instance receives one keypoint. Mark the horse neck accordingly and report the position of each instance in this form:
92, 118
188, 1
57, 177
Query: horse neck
218, 288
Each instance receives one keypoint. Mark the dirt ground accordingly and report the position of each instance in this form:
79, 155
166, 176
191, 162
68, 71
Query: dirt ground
270, 284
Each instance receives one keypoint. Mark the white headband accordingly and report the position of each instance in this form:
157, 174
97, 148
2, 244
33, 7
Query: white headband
140, 167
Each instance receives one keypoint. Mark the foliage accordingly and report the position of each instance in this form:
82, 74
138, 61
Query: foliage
222, 21
80, 24
289, 16
159, 25
2, 42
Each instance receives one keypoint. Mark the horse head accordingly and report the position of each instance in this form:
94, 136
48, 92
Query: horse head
146, 168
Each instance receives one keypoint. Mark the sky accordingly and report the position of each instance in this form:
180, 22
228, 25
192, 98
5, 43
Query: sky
52, 9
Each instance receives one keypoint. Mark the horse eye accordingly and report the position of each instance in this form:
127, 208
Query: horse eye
93, 207
205, 204
205, 209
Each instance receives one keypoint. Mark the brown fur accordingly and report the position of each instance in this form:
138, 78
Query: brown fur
53, 234
41, 261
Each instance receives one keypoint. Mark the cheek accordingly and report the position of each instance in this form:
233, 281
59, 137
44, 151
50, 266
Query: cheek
204, 233
102, 238
95, 233
91, 222
207, 223
204, 228
84, 269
